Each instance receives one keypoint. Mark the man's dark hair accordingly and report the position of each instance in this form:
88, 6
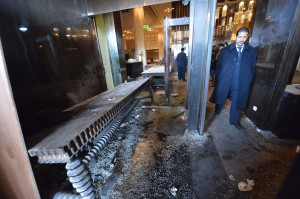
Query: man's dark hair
182, 49
221, 44
243, 29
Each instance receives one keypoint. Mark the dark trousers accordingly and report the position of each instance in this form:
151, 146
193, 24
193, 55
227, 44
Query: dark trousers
234, 113
181, 73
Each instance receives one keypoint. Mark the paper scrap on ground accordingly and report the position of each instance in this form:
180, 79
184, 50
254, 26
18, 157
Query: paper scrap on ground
173, 191
243, 186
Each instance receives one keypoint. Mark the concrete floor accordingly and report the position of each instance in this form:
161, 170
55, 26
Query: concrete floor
160, 159
153, 156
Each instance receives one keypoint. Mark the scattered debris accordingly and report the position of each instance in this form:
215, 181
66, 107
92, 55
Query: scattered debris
173, 190
136, 117
258, 130
153, 110
161, 107
123, 124
174, 94
243, 186
99, 177
160, 92
111, 165
231, 177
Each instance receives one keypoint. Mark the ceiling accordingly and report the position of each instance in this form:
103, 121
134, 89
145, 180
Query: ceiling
153, 16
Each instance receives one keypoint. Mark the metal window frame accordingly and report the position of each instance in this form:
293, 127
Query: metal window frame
202, 13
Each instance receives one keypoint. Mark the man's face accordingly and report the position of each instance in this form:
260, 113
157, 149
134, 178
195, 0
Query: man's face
241, 38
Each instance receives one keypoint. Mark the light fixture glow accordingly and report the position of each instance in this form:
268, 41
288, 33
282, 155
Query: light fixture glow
224, 10
23, 29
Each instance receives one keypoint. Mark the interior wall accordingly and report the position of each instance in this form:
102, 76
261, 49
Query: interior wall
275, 37
55, 63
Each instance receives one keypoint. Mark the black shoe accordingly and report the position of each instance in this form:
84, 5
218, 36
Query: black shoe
238, 126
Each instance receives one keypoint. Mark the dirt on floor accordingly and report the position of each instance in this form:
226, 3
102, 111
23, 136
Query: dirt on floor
151, 155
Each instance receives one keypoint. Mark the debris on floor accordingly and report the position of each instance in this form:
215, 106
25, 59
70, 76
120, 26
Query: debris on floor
243, 186
231, 177
152, 155
160, 92
173, 191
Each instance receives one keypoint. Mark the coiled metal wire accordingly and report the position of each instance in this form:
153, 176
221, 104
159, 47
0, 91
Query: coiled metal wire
66, 195
80, 178
104, 139
77, 171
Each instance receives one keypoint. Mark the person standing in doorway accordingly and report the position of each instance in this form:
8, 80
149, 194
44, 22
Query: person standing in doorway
181, 64
235, 72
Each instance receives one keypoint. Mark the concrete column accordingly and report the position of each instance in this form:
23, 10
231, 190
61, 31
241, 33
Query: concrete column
202, 14
112, 48
161, 44
140, 50
104, 51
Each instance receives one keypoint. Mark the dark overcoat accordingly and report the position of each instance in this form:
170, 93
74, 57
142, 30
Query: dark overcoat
181, 59
226, 64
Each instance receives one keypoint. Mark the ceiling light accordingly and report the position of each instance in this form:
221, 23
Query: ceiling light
169, 9
23, 29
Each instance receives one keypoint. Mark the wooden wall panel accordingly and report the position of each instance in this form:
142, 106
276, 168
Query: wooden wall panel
16, 177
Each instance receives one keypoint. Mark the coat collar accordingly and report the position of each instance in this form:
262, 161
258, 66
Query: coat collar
232, 46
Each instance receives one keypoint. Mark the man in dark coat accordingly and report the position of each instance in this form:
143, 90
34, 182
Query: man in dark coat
181, 64
235, 71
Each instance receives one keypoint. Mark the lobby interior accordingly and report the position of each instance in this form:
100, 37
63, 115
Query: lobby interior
166, 148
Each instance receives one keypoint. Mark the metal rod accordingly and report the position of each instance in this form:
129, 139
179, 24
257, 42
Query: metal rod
167, 59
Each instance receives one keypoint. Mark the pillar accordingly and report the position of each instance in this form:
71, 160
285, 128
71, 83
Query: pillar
202, 13
140, 50
101, 36
112, 45
161, 44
